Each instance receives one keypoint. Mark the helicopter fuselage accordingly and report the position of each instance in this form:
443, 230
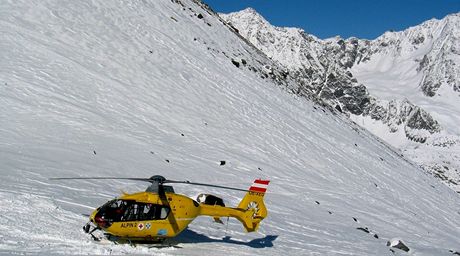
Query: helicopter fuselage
145, 215
153, 216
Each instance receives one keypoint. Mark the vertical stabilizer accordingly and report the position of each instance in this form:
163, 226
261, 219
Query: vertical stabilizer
253, 205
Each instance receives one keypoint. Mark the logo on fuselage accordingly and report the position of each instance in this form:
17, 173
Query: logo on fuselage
162, 232
140, 226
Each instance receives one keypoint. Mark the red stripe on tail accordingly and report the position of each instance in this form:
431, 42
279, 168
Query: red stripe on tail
265, 182
257, 189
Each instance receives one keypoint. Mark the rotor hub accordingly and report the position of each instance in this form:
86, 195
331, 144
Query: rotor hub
158, 178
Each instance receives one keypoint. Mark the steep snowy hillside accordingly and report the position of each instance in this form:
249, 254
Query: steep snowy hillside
403, 86
138, 88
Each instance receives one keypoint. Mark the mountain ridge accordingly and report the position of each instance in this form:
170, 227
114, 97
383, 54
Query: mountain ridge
356, 77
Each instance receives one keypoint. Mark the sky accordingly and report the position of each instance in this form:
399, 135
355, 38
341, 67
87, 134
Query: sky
359, 18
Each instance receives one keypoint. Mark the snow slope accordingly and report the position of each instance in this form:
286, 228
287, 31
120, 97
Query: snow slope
98, 88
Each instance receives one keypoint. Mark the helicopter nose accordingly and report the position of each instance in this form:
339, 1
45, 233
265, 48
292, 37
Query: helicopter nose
93, 215
100, 222
99, 219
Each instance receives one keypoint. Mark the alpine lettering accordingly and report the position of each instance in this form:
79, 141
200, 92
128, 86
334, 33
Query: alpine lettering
128, 225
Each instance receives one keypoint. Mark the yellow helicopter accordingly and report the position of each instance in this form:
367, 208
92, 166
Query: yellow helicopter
159, 213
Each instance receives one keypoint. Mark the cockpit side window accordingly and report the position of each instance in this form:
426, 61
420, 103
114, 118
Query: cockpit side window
145, 211
131, 213
164, 212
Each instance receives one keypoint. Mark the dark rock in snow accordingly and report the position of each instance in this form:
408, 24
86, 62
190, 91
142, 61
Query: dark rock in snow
454, 252
236, 63
398, 243
338, 108
364, 229
222, 163
421, 120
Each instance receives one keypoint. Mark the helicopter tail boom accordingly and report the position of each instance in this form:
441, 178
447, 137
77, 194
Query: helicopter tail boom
250, 211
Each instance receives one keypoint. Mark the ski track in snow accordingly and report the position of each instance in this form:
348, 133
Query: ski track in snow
81, 95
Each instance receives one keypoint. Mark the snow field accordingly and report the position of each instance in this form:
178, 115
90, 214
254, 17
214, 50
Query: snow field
92, 88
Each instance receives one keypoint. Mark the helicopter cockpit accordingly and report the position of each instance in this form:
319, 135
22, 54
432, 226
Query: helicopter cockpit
129, 210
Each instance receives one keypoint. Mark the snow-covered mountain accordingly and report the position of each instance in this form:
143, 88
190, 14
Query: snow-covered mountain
138, 88
402, 86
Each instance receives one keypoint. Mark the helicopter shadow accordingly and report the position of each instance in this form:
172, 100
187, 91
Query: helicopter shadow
190, 236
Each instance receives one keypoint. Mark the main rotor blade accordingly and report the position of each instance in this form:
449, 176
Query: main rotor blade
151, 181
204, 184
101, 178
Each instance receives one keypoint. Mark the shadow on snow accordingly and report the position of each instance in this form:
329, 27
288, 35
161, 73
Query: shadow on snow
190, 236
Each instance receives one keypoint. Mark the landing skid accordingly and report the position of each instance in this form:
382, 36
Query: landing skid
149, 243
88, 228
152, 242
